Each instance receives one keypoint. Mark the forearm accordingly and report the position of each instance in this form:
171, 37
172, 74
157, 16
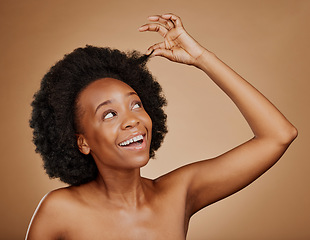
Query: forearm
265, 120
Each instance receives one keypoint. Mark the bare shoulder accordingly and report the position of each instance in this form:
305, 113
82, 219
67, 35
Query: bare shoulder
177, 179
50, 219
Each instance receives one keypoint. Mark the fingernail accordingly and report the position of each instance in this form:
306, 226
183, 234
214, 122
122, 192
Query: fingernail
142, 28
149, 52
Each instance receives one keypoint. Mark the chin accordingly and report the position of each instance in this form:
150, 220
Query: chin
139, 162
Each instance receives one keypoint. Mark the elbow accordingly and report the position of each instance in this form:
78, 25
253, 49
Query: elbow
294, 133
283, 136
288, 135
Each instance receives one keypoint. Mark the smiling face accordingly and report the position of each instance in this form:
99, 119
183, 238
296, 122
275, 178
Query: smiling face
116, 129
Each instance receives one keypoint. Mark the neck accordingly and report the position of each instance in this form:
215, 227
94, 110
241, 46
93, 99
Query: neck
122, 187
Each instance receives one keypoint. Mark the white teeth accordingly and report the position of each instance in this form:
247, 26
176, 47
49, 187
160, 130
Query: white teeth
134, 139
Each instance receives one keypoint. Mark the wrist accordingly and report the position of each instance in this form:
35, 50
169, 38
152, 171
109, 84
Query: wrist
204, 60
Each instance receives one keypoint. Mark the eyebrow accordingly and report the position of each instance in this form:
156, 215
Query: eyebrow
111, 100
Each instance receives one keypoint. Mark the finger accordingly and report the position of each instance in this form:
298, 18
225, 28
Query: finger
173, 18
153, 27
154, 47
157, 18
164, 53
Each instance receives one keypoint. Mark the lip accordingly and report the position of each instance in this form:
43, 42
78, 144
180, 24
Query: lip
140, 147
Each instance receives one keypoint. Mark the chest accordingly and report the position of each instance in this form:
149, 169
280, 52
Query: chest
164, 220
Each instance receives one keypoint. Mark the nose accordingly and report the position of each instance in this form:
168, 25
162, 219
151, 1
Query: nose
130, 121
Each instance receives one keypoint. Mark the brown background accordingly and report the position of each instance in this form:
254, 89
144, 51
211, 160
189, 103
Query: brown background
267, 42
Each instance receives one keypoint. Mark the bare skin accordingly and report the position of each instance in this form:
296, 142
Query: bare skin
120, 204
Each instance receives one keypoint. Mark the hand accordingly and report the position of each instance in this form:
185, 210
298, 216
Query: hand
178, 45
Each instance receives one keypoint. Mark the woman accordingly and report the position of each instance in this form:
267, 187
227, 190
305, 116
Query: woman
115, 122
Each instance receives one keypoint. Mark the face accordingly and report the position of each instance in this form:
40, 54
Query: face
116, 130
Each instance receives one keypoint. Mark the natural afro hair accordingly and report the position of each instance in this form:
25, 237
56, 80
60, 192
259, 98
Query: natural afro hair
55, 111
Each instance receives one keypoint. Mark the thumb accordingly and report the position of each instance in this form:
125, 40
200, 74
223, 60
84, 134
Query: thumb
164, 53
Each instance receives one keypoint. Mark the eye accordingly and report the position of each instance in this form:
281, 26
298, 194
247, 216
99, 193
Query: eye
137, 105
108, 115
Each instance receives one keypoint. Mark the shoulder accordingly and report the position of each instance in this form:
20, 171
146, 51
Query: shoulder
178, 179
56, 200
51, 215
179, 175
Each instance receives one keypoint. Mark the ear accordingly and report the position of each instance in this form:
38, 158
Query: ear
82, 144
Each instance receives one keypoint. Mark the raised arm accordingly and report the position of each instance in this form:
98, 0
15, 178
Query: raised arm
211, 180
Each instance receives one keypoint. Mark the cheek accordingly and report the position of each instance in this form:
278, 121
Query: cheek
102, 137
106, 134
148, 122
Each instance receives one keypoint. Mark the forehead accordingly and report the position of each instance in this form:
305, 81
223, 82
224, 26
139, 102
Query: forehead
102, 90
107, 83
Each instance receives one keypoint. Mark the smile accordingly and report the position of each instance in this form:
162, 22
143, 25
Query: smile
135, 141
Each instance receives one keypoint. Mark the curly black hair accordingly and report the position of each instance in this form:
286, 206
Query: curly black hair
55, 112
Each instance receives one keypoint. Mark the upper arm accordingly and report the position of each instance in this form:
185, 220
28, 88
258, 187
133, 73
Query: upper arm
217, 178
46, 221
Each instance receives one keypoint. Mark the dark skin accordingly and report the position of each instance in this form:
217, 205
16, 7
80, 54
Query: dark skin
120, 204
